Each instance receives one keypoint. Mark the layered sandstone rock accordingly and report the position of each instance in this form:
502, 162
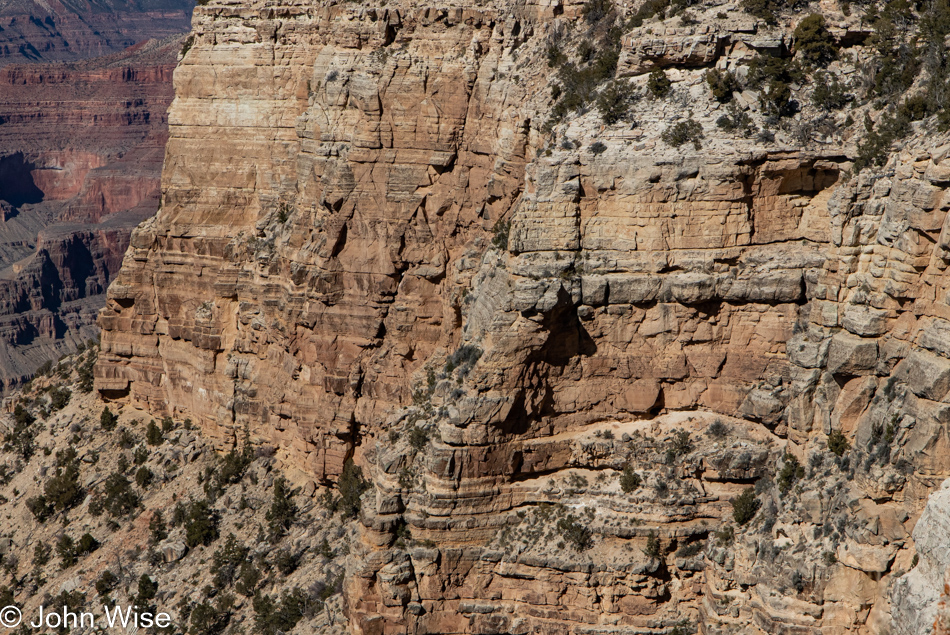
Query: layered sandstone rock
373, 244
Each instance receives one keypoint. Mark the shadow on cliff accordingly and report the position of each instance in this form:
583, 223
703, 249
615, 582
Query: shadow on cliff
17, 186
567, 340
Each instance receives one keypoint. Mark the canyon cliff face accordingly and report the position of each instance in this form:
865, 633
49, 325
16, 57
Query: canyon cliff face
81, 148
558, 348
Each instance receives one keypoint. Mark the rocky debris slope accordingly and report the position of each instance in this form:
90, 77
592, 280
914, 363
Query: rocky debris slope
631, 315
108, 507
81, 149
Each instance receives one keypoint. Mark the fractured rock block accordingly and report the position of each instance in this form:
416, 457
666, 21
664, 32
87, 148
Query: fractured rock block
851, 355
927, 375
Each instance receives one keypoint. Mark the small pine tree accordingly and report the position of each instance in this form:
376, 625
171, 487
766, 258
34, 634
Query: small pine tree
629, 480
837, 442
107, 420
283, 510
745, 506
659, 84
153, 434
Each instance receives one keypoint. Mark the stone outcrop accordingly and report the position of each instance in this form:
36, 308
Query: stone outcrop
916, 594
82, 148
375, 245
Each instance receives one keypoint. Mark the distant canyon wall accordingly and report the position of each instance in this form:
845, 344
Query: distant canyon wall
33, 31
81, 150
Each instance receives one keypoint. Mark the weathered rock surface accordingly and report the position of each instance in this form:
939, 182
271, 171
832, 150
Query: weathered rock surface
916, 594
372, 246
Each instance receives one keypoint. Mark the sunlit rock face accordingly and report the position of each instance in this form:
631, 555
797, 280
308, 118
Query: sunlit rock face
375, 244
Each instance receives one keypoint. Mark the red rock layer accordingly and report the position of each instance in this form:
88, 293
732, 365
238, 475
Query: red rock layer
81, 150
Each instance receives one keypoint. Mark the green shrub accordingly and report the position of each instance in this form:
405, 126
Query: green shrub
87, 544
283, 511
597, 148
689, 550
179, 514
874, 148
59, 398
680, 444
235, 463
614, 101
70, 551
629, 480
227, 559
837, 442
595, 11
144, 477
717, 429
776, 100
85, 371
63, 491
40, 509
898, 60
20, 440
576, 533
201, 524
106, 583
765, 9
41, 554
682, 132
555, 56
168, 424
726, 535
829, 93
43, 369
157, 529
745, 506
684, 627
766, 68
646, 11
211, 619
107, 420
915, 108
139, 457
147, 590
153, 434
791, 471
500, 239
71, 601
813, 42
248, 579
272, 617
118, 497
659, 84
125, 439
578, 84
351, 485
286, 561
418, 437
722, 84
